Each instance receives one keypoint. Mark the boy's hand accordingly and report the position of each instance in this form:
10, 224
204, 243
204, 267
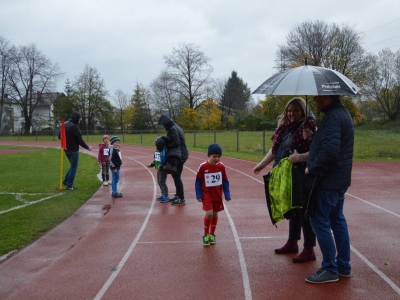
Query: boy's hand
228, 199
149, 166
115, 171
200, 200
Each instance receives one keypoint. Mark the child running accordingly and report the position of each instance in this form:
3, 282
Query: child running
211, 180
115, 165
104, 159
158, 163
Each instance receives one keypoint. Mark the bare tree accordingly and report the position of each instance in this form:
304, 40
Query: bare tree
32, 74
89, 89
311, 39
121, 101
331, 46
164, 94
190, 71
383, 81
7, 53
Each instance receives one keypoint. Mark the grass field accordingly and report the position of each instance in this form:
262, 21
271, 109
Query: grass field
32, 176
369, 145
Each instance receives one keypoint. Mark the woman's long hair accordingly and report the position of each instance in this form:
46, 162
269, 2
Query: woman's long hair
300, 101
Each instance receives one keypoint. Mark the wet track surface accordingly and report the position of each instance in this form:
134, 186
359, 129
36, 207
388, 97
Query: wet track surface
142, 249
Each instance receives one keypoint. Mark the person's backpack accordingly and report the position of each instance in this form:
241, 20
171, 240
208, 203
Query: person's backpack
163, 156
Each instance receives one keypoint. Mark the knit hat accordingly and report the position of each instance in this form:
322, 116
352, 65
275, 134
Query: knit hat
113, 139
214, 149
105, 137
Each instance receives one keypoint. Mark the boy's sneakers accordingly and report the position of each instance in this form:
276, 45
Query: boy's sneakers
212, 239
206, 240
105, 183
169, 169
160, 198
116, 195
178, 201
322, 276
164, 199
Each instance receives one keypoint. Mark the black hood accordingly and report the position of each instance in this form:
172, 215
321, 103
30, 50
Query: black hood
75, 117
165, 121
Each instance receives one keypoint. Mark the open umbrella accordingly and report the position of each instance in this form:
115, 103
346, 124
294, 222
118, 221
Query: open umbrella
308, 80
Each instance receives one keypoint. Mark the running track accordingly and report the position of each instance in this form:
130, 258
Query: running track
142, 249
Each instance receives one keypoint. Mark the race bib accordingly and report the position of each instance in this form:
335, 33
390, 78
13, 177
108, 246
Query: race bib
213, 179
106, 151
157, 156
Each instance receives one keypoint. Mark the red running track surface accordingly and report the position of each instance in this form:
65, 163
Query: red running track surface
142, 249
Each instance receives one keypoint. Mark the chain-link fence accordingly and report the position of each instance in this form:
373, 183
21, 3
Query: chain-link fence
369, 144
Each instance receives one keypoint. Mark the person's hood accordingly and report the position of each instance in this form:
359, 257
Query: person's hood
165, 121
75, 117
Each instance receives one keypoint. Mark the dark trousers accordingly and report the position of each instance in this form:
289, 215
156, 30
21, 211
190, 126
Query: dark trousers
178, 181
296, 223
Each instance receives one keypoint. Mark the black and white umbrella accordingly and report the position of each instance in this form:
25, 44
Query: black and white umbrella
308, 80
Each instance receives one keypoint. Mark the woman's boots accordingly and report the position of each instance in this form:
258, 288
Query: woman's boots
306, 255
289, 247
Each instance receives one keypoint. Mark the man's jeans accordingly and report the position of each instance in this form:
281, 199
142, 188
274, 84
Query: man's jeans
328, 217
73, 158
115, 180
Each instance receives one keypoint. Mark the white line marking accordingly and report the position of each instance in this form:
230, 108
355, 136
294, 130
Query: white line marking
245, 277
121, 264
28, 203
388, 211
376, 270
243, 267
242, 261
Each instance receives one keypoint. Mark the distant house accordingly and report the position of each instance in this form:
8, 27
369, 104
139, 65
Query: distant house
13, 117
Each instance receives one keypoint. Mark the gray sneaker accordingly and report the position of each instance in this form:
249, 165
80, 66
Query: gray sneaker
178, 201
322, 276
344, 273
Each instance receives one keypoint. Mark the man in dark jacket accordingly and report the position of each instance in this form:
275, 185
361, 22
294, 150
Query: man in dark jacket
74, 139
331, 157
176, 144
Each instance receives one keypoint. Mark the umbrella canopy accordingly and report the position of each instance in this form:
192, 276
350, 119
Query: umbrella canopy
308, 80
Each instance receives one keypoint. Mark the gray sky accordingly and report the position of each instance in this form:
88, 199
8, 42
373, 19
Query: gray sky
125, 40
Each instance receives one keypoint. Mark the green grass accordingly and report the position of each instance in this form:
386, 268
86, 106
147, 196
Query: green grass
370, 144
38, 173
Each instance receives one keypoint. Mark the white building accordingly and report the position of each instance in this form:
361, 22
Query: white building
13, 116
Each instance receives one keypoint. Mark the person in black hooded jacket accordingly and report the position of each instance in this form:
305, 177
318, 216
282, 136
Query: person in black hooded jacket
74, 140
176, 146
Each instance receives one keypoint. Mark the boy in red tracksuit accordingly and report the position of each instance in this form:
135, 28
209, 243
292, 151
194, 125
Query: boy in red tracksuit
211, 181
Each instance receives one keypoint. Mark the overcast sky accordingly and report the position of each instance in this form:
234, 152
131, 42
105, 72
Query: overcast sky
125, 40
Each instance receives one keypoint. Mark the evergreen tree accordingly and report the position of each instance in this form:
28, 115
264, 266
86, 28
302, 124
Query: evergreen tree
235, 97
141, 108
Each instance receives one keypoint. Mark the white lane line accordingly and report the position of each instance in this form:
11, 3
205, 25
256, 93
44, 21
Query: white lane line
28, 203
374, 205
219, 240
121, 264
376, 270
241, 255
242, 261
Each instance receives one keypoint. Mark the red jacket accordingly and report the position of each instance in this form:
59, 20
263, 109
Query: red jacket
104, 153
